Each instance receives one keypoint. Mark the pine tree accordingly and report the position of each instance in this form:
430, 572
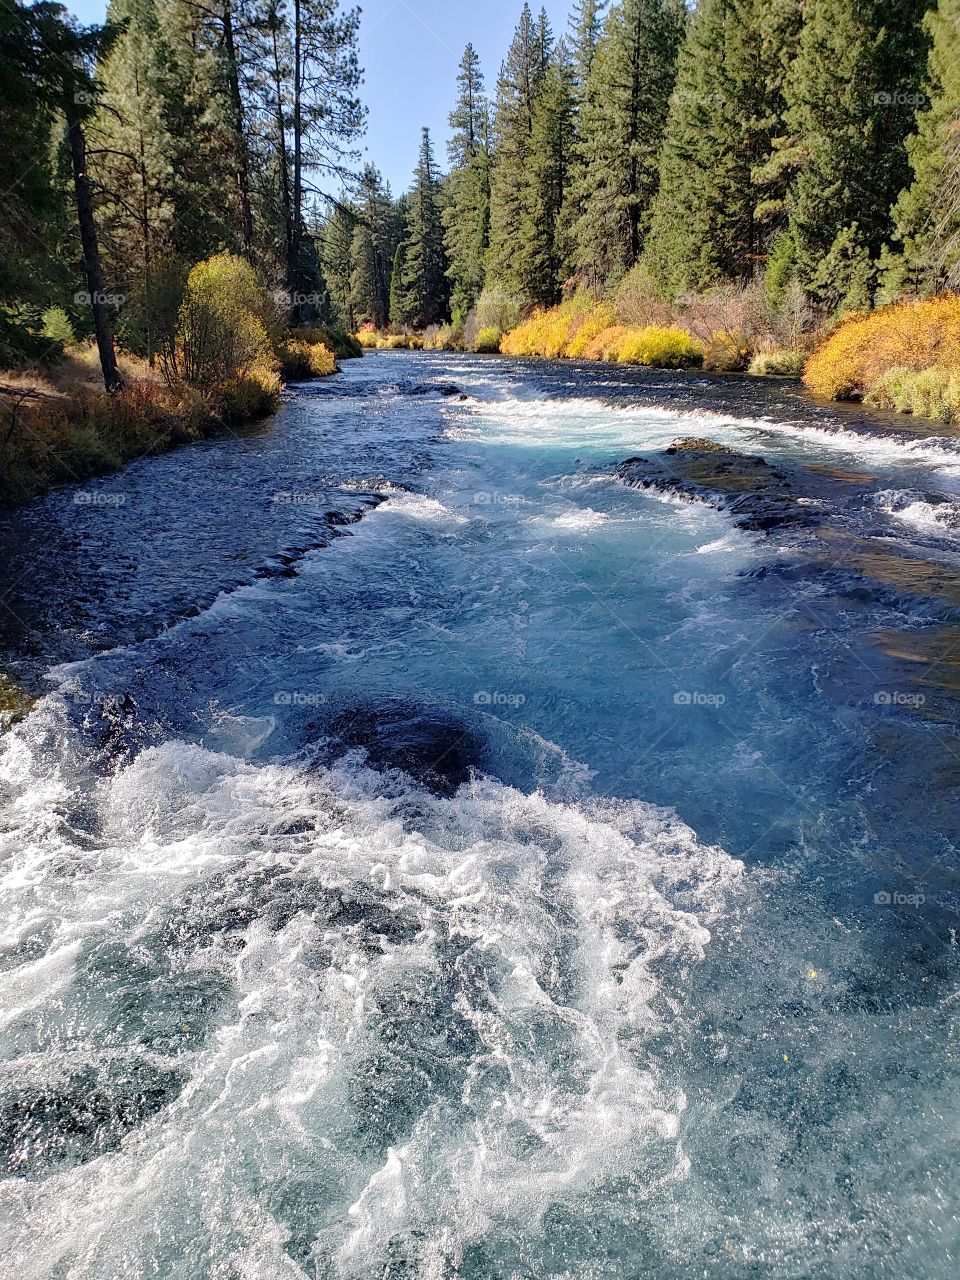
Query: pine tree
202, 156
373, 248
621, 126
130, 152
326, 116
927, 215
466, 215
586, 27
544, 260
721, 202
336, 256
32, 211
401, 305
521, 78
851, 101
424, 279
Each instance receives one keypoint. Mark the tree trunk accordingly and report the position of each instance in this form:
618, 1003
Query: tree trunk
236, 102
283, 161
293, 264
91, 258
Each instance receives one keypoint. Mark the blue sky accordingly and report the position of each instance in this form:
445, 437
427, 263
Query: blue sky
410, 50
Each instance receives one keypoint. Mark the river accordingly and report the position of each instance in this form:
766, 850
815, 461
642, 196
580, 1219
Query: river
442, 847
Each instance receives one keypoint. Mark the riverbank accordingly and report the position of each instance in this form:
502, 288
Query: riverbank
59, 426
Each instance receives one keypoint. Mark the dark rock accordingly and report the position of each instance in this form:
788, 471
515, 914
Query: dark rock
431, 745
760, 496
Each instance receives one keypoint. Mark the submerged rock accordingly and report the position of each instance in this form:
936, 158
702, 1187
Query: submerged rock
15, 702
431, 745
760, 496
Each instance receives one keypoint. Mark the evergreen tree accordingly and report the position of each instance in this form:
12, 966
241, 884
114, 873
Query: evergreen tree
927, 215
401, 305
851, 99
326, 116
201, 158
545, 257
32, 211
586, 27
426, 289
336, 256
621, 126
131, 150
721, 201
521, 78
374, 245
467, 211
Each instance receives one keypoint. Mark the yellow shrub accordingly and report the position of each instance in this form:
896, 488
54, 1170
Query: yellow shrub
250, 395
728, 352
910, 336
547, 333
367, 339
662, 348
601, 317
225, 321
300, 360
606, 345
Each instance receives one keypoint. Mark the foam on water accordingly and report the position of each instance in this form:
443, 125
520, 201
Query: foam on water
422, 1020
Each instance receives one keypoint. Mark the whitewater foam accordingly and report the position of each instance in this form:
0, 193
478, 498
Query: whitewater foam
470, 1039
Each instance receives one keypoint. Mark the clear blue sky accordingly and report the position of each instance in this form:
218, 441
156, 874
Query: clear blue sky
410, 50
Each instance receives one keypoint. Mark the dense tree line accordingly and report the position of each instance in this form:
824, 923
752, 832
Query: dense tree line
814, 143
206, 126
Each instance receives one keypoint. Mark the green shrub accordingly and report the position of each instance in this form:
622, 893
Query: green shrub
487, 340
927, 393
57, 326
494, 309
778, 364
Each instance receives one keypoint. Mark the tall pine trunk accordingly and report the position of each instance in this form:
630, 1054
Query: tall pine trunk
283, 161
91, 258
293, 262
236, 101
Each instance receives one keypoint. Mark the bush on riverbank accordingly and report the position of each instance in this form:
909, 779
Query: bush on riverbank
777, 364
726, 329
905, 356
219, 351
300, 360
580, 327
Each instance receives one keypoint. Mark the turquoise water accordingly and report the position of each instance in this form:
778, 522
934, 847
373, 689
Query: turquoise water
433, 857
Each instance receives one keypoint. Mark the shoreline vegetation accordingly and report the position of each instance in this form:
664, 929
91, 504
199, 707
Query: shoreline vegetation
220, 357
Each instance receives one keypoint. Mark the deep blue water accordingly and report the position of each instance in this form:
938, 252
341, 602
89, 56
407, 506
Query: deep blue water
433, 857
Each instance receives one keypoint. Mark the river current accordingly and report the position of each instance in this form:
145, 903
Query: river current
437, 850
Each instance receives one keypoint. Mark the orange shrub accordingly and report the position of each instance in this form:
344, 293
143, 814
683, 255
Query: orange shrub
910, 336
606, 345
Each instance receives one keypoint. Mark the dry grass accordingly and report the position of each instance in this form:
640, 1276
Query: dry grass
62, 426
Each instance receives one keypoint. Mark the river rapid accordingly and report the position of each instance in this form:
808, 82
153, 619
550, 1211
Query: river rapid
442, 847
